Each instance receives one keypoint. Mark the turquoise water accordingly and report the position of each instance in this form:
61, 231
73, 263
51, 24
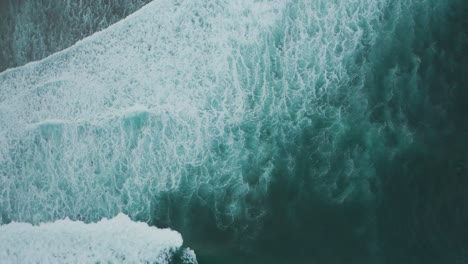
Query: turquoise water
263, 131
32, 30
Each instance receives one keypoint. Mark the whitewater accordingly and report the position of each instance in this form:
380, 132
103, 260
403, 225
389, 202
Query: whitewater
273, 127
112, 241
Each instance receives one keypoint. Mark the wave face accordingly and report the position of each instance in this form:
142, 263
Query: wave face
275, 131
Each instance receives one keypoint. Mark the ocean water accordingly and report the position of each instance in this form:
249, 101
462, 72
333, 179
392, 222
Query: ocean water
263, 131
31, 30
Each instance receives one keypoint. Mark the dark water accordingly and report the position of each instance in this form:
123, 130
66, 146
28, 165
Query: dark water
351, 145
32, 30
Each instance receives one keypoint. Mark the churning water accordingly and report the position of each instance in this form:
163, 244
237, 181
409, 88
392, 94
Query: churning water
297, 131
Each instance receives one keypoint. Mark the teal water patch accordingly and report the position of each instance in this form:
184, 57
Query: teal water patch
263, 131
33, 30
422, 209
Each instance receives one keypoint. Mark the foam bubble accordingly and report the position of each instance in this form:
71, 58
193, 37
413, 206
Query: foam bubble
109, 241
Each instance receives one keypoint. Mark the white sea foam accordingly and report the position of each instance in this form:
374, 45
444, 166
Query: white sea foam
107, 241
201, 99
